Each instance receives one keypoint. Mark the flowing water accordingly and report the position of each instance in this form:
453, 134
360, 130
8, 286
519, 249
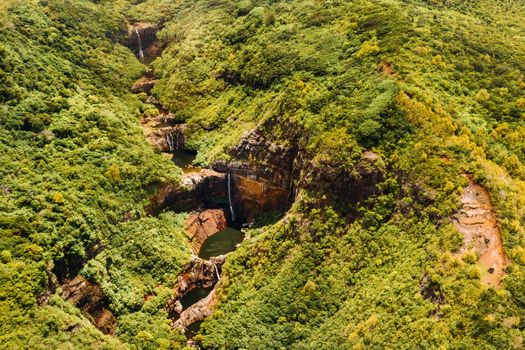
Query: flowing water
230, 197
141, 54
221, 243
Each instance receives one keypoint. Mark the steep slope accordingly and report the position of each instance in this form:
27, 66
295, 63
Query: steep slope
339, 132
435, 89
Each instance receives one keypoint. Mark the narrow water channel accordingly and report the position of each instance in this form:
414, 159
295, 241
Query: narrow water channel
220, 243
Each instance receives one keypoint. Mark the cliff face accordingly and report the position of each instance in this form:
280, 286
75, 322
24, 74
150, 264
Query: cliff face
90, 299
195, 190
266, 175
143, 35
201, 225
478, 223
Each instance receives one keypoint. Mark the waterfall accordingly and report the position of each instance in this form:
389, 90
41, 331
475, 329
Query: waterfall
169, 141
217, 272
177, 140
141, 54
230, 197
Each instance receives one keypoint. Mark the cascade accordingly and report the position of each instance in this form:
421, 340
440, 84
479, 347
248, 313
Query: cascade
141, 54
169, 141
230, 197
217, 272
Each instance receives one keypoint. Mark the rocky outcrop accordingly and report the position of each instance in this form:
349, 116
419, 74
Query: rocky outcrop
198, 273
165, 138
261, 175
266, 175
197, 190
144, 84
90, 299
203, 224
350, 184
478, 223
196, 312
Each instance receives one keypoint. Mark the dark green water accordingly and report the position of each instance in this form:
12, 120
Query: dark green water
148, 59
194, 296
193, 329
221, 243
184, 161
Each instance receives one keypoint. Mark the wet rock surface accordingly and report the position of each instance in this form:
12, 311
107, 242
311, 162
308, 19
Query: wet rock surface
197, 312
201, 225
199, 273
195, 191
90, 299
143, 35
478, 223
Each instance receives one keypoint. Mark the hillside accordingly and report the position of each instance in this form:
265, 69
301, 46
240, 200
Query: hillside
295, 174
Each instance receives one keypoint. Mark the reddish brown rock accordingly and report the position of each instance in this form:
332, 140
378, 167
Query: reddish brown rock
90, 299
258, 196
478, 223
144, 84
203, 224
198, 273
197, 312
148, 38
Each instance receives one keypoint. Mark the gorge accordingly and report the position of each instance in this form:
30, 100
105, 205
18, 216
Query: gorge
253, 174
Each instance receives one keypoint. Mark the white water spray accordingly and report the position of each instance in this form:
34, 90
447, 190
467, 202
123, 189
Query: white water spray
141, 54
230, 197
217, 272
169, 141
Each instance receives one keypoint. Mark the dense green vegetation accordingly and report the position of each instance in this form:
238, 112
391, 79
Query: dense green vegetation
75, 167
436, 88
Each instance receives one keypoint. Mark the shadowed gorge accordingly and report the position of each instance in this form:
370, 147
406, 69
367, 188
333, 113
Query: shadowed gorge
255, 174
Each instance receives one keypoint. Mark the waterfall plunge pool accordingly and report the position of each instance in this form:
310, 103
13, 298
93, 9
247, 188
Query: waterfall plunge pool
184, 160
221, 243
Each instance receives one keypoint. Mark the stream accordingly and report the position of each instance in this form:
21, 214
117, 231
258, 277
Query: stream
221, 242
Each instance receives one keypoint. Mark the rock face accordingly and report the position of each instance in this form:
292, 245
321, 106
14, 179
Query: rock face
144, 84
478, 223
144, 35
90, 299
261, 176
203, 224
197, 190
165, 138
197, 312
348, 184
266, 175
198, 273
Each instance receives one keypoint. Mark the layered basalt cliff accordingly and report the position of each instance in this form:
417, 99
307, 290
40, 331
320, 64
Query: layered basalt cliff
142, 36
195, 191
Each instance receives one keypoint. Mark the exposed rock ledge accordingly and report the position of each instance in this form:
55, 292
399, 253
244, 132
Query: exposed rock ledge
197, 188
478, 223
197, 312
203, 224
90, 299
198, 273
